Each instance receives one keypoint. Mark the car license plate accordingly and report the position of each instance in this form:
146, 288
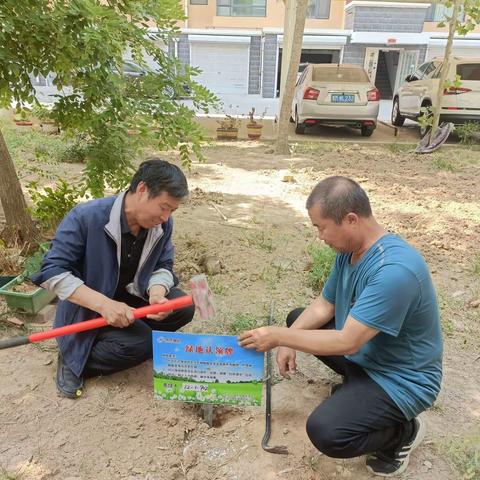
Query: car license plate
343, 98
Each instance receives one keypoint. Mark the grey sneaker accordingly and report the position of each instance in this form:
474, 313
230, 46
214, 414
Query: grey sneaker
386, 466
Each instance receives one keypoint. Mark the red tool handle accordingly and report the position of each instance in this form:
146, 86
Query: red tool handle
174, 304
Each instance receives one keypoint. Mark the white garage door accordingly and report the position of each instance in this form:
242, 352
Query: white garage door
224, 67
458, 51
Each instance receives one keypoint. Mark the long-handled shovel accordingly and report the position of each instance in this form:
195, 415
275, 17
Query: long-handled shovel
281, 449
201, 298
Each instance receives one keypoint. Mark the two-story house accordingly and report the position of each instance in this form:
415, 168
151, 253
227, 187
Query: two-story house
238, 43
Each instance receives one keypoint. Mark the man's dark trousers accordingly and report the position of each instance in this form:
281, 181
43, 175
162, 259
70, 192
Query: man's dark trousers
359, 418
117, 349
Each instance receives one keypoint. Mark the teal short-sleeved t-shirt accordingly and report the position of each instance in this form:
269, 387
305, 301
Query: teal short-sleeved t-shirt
390, 289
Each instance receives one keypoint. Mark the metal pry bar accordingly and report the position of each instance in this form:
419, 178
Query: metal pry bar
280, 449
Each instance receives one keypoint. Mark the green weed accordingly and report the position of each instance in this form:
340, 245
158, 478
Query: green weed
448, 328
242, 322
314, 147
6, 475
271, 275
216, 286
465, 455
441, 164
476, 265
321, 262
469, 133
397, 148
261, 241
437, 408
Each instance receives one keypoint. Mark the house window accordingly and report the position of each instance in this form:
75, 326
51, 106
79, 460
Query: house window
318, 9
242, 8
198, 2
438, 12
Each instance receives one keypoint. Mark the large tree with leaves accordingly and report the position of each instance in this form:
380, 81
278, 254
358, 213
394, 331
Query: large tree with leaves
84, 42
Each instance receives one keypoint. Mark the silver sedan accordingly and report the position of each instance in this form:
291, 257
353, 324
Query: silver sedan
331, 94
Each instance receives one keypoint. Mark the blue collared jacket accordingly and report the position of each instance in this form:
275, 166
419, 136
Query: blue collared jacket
86, 249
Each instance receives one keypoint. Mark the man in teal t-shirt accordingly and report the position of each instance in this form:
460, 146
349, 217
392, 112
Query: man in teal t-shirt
376, 324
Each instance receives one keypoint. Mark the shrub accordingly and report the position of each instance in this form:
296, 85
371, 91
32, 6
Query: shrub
468, 133
52, 204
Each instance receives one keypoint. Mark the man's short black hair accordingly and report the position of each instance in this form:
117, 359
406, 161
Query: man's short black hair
337, 196
160, 176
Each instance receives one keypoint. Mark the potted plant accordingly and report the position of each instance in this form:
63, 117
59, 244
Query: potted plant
22, 119
21, 294
254, 127
228, 129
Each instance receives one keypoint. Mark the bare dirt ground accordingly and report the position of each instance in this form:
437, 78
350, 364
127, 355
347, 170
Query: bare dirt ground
254, 224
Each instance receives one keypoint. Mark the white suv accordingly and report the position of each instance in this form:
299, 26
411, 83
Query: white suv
459, 105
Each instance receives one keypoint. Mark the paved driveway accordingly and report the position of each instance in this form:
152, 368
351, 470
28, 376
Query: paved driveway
240, 105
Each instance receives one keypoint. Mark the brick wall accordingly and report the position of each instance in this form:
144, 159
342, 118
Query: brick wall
183, 49
387, 19
255, 65
269, 66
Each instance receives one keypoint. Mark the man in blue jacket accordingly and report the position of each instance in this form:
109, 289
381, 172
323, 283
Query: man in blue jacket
108, 257
376, 324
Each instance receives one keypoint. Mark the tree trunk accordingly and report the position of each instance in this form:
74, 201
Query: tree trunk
446, 63
288, 22
299, 9
19, 225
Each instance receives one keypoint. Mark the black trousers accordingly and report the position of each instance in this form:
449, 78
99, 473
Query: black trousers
360, 417
117, 349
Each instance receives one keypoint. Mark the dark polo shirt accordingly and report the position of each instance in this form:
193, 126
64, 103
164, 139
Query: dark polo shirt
131, 251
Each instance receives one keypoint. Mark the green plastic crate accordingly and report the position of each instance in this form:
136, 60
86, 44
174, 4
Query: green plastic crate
31, 302
4, 279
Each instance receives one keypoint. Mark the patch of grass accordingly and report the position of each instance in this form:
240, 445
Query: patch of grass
314, 147
261, 241
398, 148
437, 408
32, 148
448, 328
465, 455
242, 322
216, 286
476, 265
321, 262
271, 275
6, 475
441, 164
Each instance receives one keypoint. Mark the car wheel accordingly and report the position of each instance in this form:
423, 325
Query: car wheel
299, 127
397, 119
367, 130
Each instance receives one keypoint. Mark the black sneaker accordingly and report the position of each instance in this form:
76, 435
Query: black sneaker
68, 384
385, 466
